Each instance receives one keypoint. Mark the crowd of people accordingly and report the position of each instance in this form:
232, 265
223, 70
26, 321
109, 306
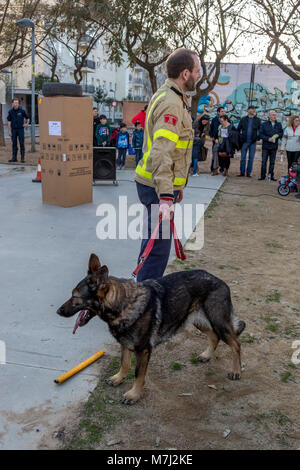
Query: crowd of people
173, 144
104, 136
226, 139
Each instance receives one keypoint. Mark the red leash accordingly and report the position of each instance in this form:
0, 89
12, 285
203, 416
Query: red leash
178, 246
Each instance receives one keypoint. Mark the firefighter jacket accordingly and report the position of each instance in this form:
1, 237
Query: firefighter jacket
168, 141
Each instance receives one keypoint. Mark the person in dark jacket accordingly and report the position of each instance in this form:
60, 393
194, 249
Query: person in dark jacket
197, 146
114, 137
202, 125
270, 132
103, 132
96, 121
213, 133
16, 123
228, 143
248, 129
137, 141
122, 145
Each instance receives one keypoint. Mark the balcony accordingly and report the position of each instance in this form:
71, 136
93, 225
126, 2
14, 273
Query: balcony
88, 65
90, 89
135, 80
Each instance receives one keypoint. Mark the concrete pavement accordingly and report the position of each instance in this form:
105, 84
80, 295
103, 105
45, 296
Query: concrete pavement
44, 252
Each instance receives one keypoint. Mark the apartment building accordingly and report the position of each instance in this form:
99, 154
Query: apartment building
119, 82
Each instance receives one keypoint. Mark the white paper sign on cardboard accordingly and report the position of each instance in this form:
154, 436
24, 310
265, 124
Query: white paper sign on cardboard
54, 127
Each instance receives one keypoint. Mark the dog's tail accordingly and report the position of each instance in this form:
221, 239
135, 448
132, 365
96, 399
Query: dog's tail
220, 313
238, 325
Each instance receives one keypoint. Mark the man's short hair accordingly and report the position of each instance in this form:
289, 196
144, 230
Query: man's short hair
102, 117
137, 123
219, 109
15, 99
95, 108
180, 60
251, 107
122, 125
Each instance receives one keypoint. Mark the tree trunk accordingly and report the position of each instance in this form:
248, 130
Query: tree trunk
195, 100
153, 79
211, 83
53, 69
78, 76
2, 139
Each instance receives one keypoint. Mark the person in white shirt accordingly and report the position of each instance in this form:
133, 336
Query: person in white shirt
290, 143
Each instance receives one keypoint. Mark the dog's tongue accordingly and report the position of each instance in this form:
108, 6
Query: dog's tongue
78, 320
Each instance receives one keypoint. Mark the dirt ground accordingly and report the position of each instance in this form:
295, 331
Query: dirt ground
252, 242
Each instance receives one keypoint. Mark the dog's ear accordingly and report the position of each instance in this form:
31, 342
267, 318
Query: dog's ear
94, 264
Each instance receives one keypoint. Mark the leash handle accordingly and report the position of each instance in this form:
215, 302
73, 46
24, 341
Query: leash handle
178, 246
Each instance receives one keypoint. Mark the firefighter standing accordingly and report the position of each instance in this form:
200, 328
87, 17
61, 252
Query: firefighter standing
162, 173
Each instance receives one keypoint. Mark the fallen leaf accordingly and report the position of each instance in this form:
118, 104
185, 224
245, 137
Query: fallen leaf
212, 386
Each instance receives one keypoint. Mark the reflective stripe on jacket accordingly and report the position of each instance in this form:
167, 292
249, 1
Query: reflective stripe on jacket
168, 141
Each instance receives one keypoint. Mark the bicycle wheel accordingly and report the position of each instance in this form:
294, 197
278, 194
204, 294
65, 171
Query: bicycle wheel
283, 190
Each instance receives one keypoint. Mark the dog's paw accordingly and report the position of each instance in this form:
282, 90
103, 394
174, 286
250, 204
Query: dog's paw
234, 376
115, 380
130, 398
203, 358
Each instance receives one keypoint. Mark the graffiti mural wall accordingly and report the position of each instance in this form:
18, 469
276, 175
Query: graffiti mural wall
272, 89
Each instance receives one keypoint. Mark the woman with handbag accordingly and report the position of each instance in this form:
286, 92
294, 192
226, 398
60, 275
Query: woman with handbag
202, 125
228, 142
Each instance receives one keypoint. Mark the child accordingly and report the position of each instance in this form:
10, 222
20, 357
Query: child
103, 132
197, 145
122, 145
114, 137
137, 141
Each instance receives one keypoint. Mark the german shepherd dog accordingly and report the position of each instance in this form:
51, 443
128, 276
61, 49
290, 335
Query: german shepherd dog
144, 314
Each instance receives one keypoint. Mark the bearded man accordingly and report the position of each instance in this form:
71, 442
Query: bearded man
162, 173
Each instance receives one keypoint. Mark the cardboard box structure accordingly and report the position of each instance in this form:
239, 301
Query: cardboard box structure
66, 145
